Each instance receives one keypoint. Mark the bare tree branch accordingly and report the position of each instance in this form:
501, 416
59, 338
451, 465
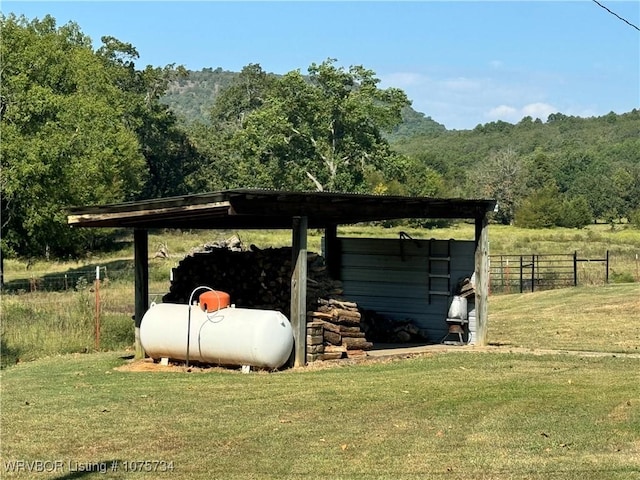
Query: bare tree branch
319, 186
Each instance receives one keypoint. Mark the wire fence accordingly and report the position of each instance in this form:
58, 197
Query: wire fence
81, 304
77, 279
508, 274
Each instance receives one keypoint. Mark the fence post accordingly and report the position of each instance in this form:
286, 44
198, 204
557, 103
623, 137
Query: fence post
575, 268
507, 285
533, 272
97, 289
521, 274
606, 275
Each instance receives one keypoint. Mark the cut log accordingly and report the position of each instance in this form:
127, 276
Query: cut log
334, 348
353, 335
340, 312
356, 343
314, 357
315, 348
315, 328
333, 338
320, 315
347, 330
331, 327
331, 355
315, 339
325, 309
343, 304
347, 321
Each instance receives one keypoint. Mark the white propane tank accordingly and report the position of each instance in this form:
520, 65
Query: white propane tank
229, 336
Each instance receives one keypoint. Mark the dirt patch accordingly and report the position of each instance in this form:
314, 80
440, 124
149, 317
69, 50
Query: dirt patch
373, 357
148, 365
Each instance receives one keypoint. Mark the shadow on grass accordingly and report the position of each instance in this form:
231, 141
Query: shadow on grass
9, 355
91, 469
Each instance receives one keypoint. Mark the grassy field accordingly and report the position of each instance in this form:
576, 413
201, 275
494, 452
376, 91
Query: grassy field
623, 242
602, 319
44, 323
446, 415
512, 411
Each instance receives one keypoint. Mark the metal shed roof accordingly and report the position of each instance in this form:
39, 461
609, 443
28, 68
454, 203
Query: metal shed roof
251, 208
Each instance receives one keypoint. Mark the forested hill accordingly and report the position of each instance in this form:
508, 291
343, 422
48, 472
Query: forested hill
542, 173
192, 97
609, 140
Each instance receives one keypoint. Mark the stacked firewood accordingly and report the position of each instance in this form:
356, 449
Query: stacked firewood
254, 278
342, 332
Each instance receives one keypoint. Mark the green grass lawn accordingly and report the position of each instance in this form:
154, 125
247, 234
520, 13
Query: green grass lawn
601, 319
471, 415
478, 415
447, 415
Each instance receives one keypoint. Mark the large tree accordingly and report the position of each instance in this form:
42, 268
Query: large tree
219, 141
322, 131
169, 154
64, 141
501, 176
78, 127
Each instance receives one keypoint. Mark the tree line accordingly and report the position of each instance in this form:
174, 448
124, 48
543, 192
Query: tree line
567, 171
86, 126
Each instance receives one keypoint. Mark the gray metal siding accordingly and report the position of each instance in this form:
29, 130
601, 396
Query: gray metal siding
391, 276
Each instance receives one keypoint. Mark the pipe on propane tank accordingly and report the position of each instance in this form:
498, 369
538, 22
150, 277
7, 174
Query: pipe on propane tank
202, 287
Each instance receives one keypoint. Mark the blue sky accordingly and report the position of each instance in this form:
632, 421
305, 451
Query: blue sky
462, 63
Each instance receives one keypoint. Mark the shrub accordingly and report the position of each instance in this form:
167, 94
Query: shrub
575, 213
622, 277
542, 209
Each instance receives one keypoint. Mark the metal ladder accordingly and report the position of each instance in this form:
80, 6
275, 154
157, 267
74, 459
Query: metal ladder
441, 264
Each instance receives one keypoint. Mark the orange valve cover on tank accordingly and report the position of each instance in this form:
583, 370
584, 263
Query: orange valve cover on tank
214, 300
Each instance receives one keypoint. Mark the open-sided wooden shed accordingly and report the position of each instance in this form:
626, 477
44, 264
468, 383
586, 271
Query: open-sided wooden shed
298, 211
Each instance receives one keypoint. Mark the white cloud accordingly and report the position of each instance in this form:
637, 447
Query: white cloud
462, 101
538, 110
512, 114
503, 112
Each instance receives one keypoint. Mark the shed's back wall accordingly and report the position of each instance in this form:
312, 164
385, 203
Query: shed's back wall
394, 277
